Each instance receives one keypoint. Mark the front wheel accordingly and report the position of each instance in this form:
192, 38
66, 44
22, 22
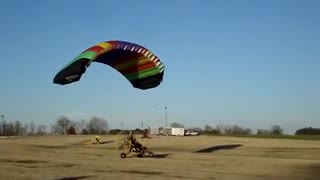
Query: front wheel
139, 155
123, 155
150, 153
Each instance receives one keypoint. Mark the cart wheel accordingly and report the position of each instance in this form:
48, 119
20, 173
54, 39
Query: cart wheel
123, 155
139, 155
150, 154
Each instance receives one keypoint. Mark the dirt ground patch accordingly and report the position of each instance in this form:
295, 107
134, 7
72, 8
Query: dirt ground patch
54, 157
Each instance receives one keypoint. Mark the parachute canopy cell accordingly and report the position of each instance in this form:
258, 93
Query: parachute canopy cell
137, 64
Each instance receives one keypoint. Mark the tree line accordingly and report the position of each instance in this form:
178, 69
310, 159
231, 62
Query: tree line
231, 130
308, 131
16, 128
240, 130
62, 125
96, 125
66, 126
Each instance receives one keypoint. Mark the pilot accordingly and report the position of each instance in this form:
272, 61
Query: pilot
131, 137
97, 139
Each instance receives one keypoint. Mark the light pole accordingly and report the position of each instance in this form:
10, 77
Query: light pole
1, 128
121, 125
165, 115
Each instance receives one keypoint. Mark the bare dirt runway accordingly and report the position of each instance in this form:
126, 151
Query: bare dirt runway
57, 157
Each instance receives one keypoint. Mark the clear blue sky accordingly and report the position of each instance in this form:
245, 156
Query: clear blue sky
251, 63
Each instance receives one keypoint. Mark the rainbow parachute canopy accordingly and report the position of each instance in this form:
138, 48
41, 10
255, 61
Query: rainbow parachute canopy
137, 64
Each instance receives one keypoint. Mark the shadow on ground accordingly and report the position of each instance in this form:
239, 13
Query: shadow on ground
219, 147
313, 171
141, 172
106, 142
156, 156
89, 142
73, 178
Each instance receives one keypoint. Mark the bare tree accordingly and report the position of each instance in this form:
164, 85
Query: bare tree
83, 124
97, 125
199, 129
210, 130
177, 125
4, 128
227, 129
17, 128
231, 130
248, 131
41, 130
77, 125
32, 128
207, 128
56, 130
25, 129
263, 131
1, 129
71, 131
276, 129
220, 129
10, 129
61, 126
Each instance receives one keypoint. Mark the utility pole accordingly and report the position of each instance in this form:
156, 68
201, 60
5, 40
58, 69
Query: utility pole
1, 125
121, 125
165, 115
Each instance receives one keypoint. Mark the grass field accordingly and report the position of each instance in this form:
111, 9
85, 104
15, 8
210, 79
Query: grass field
294, 137
239, 158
